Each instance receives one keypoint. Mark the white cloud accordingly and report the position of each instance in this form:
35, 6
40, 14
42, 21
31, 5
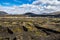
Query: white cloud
21, 9
55, 2
48, 5
38, 6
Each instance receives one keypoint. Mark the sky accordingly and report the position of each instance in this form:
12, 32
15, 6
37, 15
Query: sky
34, 6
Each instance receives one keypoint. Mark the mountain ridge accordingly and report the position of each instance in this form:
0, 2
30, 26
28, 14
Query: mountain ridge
3, 13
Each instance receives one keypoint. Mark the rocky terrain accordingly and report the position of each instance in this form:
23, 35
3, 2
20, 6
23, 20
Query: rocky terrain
29, 28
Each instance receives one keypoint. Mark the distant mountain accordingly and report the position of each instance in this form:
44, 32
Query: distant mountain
33, 14
53, 13
3, 13
30, 14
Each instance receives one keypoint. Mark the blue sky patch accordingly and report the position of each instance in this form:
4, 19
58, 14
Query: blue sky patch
15, 2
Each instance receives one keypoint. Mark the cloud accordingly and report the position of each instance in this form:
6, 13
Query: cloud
21, 9
48, 5
51, 2
37, 7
